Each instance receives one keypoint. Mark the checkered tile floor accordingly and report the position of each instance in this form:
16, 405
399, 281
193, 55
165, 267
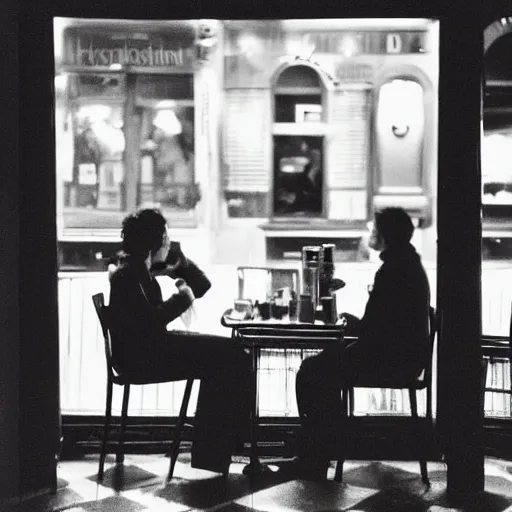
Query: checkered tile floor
140, 485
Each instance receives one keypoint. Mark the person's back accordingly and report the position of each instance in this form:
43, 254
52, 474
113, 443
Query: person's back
394, 331
135, 331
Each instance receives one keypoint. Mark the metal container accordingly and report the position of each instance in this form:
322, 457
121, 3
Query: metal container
306, 311
329, 309
328, 253
311, 265
326, 269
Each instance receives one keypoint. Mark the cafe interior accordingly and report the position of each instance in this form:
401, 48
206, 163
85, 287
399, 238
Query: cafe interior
460, 461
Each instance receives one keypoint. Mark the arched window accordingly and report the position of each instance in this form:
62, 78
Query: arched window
298, 143
400, 124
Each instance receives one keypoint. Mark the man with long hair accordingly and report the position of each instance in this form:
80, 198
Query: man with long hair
142, 346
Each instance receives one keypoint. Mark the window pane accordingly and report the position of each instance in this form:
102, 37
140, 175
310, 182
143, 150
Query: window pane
400, 127
167, 157
298, 175
97, 175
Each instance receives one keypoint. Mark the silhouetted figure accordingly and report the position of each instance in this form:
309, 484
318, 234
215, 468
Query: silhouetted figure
392, 339
141, 345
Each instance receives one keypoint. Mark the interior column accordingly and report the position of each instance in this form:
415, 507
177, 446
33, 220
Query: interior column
459, 253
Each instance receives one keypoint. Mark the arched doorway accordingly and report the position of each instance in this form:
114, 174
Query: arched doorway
298, 141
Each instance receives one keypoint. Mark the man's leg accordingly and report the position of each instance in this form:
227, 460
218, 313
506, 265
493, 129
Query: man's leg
318, 389
222, 413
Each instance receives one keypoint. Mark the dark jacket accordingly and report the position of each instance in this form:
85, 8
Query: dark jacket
394, 330
139, 315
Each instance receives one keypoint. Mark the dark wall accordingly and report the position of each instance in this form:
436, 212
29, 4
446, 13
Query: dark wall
9, 222
38, 334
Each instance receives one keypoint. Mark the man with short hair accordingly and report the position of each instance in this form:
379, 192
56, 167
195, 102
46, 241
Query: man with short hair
392, 339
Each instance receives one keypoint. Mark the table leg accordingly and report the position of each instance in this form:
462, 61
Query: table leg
255, 467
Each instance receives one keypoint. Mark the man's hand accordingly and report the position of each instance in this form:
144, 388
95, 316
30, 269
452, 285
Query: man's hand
183, 288
175, 259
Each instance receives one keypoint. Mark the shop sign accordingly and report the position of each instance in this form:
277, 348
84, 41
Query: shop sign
354, 73
139, 50
375, 42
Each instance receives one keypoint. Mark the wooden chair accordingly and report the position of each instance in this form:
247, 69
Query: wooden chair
114, 376
424, 381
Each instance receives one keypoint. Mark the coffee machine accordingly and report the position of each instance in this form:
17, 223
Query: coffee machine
318, 281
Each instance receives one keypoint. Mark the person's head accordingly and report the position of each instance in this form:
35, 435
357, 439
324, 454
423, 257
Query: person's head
144, 234
392, 228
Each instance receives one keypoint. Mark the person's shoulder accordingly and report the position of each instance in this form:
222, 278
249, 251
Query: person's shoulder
121, 272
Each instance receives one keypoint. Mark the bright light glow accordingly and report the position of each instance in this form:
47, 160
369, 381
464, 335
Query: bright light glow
348, 47
116, 67
167, 121
398, 101
323, 24
61, 82
165, 104
111, 139
496, 157
58, 29
94, 112
249, 45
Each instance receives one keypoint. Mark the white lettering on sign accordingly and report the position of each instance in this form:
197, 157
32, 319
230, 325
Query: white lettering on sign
393, 43
149, 56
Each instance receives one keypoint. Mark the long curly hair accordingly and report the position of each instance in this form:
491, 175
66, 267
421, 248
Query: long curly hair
143, 232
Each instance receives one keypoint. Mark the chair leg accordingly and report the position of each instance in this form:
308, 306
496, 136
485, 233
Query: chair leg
106, 428
421, 446
179, 427
122, 427
347, 406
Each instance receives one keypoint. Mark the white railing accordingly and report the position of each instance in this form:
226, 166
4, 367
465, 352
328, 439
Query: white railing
82, 358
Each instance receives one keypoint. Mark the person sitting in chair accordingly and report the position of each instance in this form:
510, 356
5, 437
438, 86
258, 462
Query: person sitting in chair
392, 339
141, 345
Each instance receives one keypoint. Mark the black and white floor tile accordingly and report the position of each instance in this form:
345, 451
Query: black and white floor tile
140, 485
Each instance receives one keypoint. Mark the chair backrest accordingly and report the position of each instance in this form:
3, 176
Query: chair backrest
265, 277
102, 312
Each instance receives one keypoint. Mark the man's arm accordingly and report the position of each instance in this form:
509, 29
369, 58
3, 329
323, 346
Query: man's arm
178, 266
193, 276
131, 299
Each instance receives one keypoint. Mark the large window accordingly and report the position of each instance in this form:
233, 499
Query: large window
497, 144
132, 144
125, 123
295, 140
496, 154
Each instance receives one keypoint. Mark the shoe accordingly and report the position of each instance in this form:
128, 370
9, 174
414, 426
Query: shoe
208, 465
298, 468
216, 464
